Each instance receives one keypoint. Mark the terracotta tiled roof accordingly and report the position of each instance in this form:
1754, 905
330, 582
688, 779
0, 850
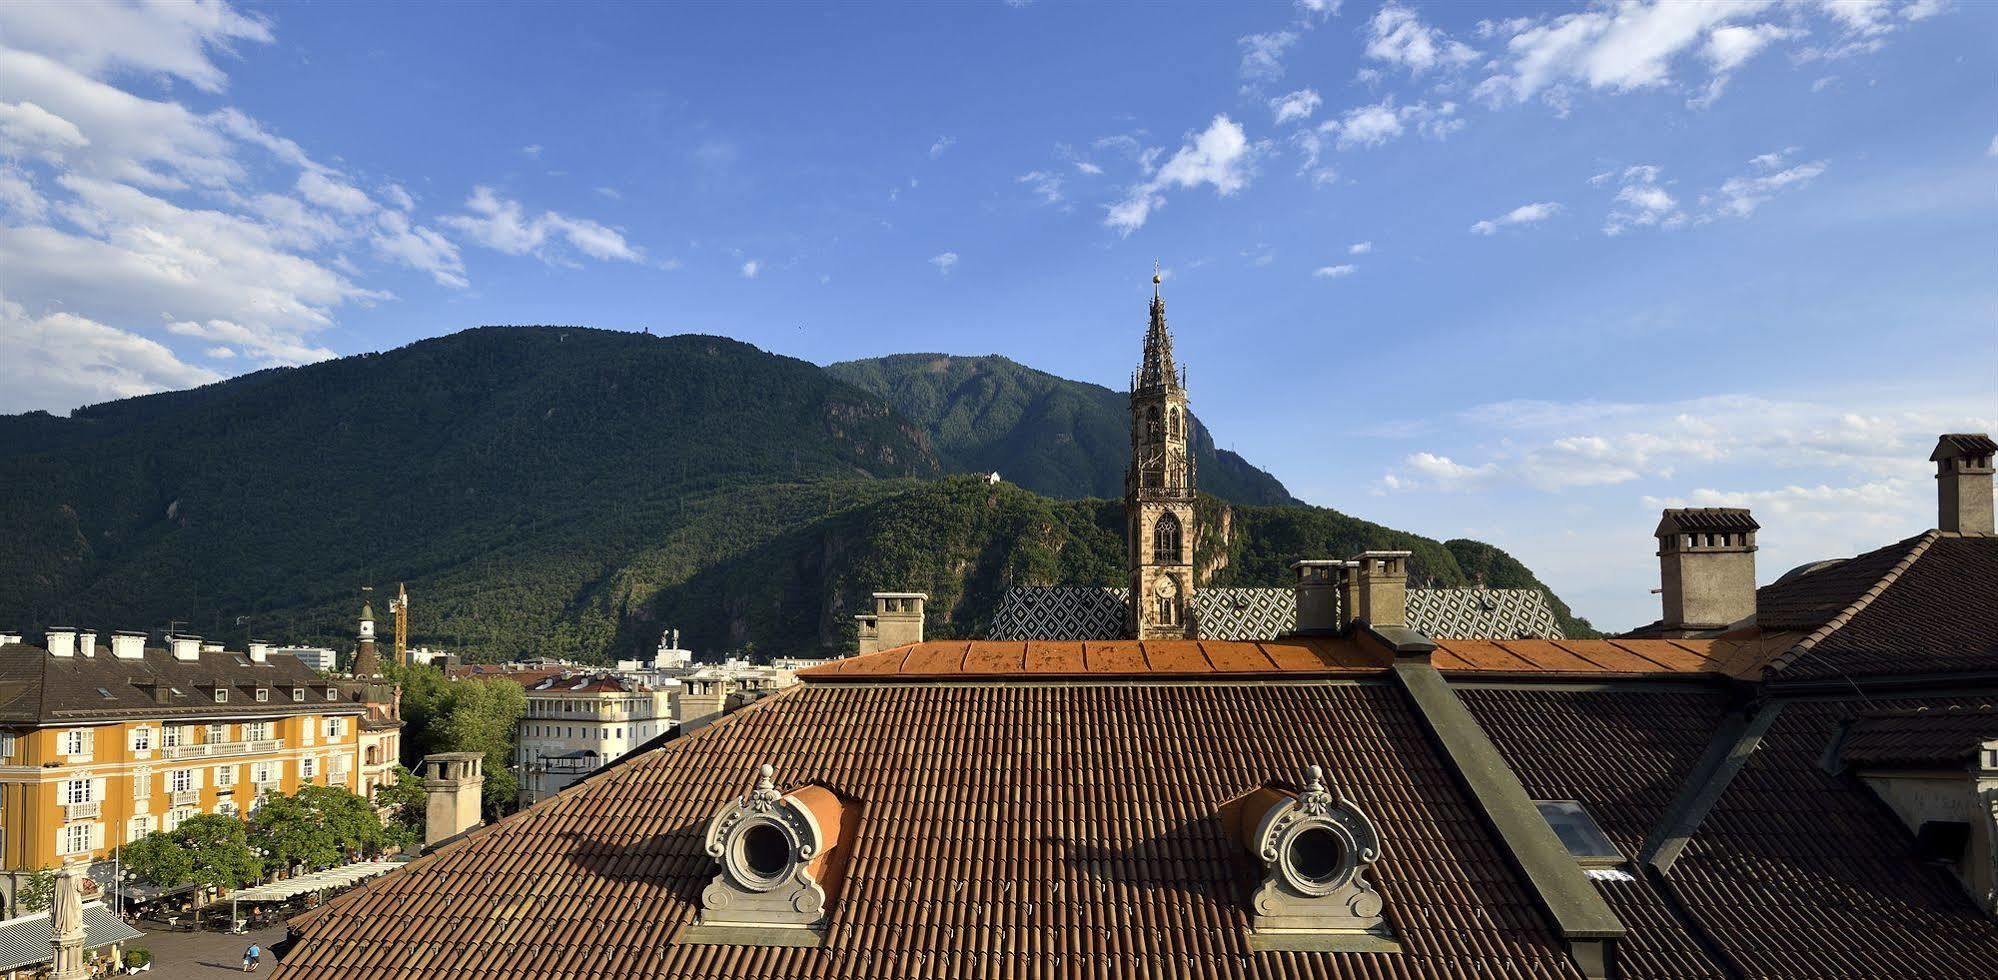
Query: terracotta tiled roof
1102, 659
1006, 831
1703, 519
1815, 598
1799, 873
1599, 657
1944, 739
1623, 755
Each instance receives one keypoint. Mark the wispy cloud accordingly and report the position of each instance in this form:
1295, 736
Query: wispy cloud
1220, 156
944, 261
1525, 214
502, 224
1334, 271
1295, 106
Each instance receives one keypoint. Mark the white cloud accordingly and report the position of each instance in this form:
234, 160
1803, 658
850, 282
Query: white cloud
399, 197
1525, 214
1642, 202
1360, 248
1318, 9
1397, 35
1088, 168
944, 261
272, 346
532, 150
1262, 55
1221, 156
1334, 271
19, 198
28, 130
1045, 185
1992, 150
1731, 46
418, 248
502, 224
942, 144
1297, 105
751, 268
172, 40
61, 360
1738, 197
1383, 121
331, 193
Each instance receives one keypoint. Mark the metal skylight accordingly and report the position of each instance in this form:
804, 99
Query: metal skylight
1579, 832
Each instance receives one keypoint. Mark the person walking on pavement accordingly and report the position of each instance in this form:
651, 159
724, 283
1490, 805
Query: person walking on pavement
251, 956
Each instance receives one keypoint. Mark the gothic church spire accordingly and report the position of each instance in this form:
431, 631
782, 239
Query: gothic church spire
1156, 370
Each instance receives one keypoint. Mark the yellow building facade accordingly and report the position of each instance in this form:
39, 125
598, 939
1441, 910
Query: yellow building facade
97, 750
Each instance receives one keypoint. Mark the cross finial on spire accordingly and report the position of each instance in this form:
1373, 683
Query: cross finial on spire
1156, 278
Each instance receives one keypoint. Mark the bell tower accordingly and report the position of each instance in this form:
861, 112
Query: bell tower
1158, 490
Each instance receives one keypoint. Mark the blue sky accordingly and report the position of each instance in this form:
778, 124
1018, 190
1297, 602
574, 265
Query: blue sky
1522, 272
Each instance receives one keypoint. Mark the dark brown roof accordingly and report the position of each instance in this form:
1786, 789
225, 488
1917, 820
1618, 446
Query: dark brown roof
1811, 600
1922, 737
1935, 611
1955, 444
1623, 755
36, 688
1703, 519
1029, 831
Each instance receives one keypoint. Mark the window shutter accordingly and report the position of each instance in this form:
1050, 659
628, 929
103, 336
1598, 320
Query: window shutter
89, 741
194, 779
97, 789
96, 835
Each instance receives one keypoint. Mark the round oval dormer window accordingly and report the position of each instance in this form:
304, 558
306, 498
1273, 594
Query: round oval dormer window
1317, 856
766, 852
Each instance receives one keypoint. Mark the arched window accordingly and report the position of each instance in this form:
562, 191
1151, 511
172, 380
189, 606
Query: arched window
1151, 423
1172, 423
1166, 539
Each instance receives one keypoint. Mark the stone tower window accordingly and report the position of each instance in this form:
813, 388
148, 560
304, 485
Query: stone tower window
1151, 423
1166, 539
1172, 423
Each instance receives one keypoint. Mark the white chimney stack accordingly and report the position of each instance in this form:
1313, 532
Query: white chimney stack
8, 639
62, 642
260, 651
185, 647
127, 645
86, 643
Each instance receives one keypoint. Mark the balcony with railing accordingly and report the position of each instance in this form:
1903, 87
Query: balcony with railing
186, 797
222, 750
82, 811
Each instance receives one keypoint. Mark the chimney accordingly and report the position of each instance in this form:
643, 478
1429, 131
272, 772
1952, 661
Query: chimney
1319, 582
698, 701
62, 642
1963, 482
185, 647
260, 651
86, 643
127, 645
1706, 564
9, 639
897, 621
211, 648
1379, 588
452, 782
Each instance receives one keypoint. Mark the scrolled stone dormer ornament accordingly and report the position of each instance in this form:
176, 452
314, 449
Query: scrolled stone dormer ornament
1315, 847
773, 849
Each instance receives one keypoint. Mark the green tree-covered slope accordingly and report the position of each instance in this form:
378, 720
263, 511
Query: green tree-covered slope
1051, 435
571, 492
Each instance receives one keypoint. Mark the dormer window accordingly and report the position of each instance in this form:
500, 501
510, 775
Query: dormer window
1315, 848
781, 857
263, 695
221, 695
298, 694
332, 694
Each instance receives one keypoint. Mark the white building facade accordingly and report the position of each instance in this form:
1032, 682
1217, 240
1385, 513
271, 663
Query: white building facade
578, 724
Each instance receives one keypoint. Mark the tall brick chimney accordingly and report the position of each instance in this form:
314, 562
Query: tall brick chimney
1319, 582
1706, 564
452, 782
1963, 482
1380, 588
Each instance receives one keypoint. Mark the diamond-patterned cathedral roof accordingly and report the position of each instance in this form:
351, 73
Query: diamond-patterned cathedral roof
1066, 612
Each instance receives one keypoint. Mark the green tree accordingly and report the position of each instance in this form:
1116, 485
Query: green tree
291, 834
35, 893
440, 715
406, 803
210, 849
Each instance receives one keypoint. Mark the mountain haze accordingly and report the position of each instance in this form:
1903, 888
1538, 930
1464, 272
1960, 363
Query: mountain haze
570, 492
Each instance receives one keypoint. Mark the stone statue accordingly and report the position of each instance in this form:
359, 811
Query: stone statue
66, 923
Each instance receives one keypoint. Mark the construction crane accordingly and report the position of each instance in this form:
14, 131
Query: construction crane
400, 607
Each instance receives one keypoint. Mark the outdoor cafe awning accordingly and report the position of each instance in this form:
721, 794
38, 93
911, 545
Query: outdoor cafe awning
340, 877
28, 940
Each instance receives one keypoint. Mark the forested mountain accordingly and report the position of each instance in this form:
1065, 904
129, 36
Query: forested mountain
557, 491
1051, 435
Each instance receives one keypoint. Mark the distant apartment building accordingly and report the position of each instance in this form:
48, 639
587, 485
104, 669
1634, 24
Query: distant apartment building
317, 658
103, 744
577, 724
